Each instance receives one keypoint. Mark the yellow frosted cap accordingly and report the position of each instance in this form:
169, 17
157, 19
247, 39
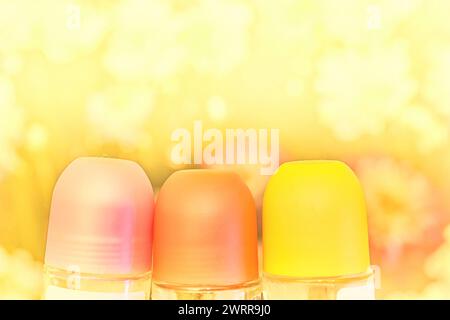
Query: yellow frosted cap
314, 221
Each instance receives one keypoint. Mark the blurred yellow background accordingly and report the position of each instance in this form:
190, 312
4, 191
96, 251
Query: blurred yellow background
363, 81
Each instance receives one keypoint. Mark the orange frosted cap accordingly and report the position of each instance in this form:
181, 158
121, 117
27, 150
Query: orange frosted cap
205, 231
101, 218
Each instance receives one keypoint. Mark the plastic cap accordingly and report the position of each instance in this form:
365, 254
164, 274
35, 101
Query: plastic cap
205, 230
314, 221
101, 218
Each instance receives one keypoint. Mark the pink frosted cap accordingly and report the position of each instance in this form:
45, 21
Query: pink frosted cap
101, 218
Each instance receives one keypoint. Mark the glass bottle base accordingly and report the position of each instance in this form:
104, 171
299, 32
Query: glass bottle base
355, 287
246, 291
68, 285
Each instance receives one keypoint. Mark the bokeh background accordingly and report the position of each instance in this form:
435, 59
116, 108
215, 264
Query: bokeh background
366, 82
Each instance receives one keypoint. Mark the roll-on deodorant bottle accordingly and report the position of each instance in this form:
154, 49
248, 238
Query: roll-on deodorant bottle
205, 238
100, 232
315, 235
